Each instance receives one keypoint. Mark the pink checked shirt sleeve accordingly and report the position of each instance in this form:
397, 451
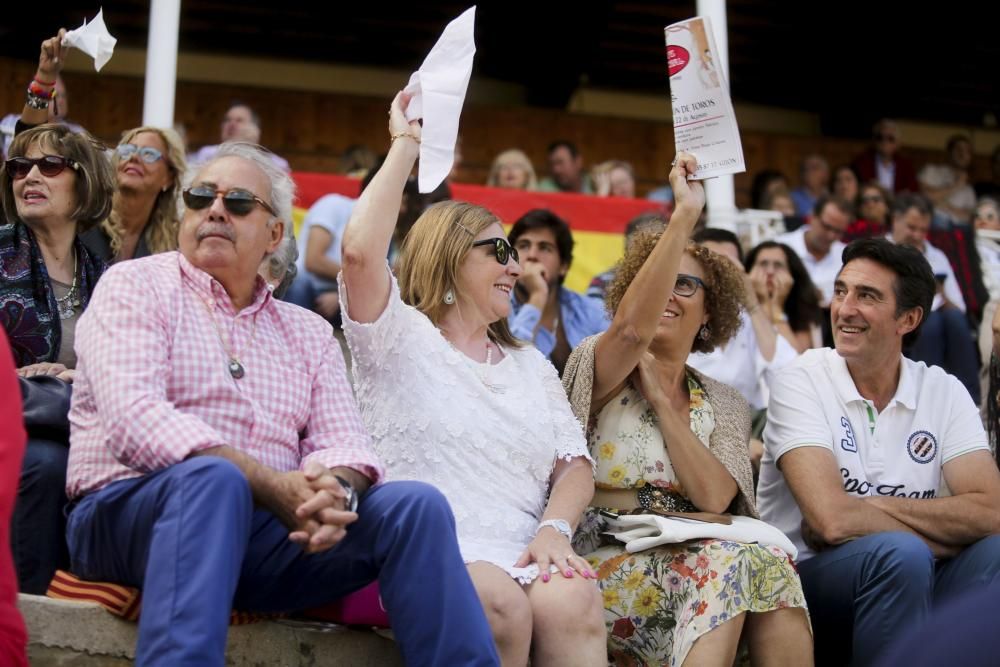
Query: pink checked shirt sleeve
152, 384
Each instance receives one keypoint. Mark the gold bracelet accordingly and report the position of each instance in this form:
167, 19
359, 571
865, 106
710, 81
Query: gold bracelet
404, 134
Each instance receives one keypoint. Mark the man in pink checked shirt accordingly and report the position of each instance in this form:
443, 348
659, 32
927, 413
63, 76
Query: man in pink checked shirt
218, 459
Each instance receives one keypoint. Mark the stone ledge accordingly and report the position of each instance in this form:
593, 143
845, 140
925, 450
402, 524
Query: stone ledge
62, 633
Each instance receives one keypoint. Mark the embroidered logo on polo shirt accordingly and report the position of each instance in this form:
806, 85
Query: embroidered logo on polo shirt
922, 447
847, 443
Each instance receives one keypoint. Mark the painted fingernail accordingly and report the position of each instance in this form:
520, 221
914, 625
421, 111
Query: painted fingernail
545, 578
569, 574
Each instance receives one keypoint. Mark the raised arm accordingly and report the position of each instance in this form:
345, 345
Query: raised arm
369, 232
50, 64
639, 312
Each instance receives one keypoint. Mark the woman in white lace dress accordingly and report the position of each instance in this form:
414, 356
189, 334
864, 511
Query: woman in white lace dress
451, 398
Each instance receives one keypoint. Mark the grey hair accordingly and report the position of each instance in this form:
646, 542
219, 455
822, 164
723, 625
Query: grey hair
281, 262
282, 185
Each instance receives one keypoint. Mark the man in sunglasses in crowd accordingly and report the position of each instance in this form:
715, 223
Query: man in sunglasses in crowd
219, 460
882, 161
551, 317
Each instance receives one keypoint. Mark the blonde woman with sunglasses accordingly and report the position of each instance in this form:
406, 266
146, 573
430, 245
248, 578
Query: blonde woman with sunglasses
149, 168
453, 399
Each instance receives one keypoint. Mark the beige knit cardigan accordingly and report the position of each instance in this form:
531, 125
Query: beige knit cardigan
729, 441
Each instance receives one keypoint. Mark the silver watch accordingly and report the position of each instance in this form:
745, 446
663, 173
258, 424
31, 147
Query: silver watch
559, 524
351, 502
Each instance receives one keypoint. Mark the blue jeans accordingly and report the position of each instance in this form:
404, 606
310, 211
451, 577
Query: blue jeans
302, 292
866, 593
38, 528
969, 638
190, 538
945, 340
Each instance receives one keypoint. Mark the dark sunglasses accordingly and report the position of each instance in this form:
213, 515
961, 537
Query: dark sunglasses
237, 201
502, 249
686, 285
872, 199
147, 154
48, 165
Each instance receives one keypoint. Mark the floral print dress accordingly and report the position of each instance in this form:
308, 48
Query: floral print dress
657, 602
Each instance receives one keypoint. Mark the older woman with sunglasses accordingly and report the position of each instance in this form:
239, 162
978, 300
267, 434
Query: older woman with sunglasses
451, 398
149, 166
667, 438
55, 185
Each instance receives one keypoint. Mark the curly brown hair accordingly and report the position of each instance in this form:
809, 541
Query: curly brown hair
724, 290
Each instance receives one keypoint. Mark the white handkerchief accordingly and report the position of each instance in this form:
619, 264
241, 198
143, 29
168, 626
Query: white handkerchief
643, 531
438, 90
93, 39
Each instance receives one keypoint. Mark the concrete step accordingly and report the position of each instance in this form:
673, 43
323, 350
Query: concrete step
62, 633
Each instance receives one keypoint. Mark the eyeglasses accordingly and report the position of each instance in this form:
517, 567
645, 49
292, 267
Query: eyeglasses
872, 199
830, 229
48, 165
237, 201
686, 285
502, 249
147, 154
891, 138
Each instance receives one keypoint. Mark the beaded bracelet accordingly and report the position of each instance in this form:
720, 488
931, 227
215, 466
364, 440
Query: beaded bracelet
38, 91
36, 101
44, 83
404, 134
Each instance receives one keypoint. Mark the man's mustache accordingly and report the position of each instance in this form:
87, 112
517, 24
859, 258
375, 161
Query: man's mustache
207, 229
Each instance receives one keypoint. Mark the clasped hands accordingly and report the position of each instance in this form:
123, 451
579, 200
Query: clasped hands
311, 503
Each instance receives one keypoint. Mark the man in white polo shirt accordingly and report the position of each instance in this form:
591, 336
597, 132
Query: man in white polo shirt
818, 244
877, 467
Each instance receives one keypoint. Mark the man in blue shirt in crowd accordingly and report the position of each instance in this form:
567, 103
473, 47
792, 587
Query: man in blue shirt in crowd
544, 313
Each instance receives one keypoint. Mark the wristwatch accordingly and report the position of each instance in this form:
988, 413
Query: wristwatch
351, 503
559, 524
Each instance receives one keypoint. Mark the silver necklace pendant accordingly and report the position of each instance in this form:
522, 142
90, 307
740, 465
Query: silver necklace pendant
236, 369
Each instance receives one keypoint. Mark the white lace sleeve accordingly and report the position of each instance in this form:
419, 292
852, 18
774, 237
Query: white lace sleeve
567, 433
370, 343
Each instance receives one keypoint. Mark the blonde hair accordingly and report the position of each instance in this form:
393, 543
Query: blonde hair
432, 255
164, 221
512, 156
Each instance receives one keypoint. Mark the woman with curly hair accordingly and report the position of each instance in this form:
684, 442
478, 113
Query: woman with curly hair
668, 438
